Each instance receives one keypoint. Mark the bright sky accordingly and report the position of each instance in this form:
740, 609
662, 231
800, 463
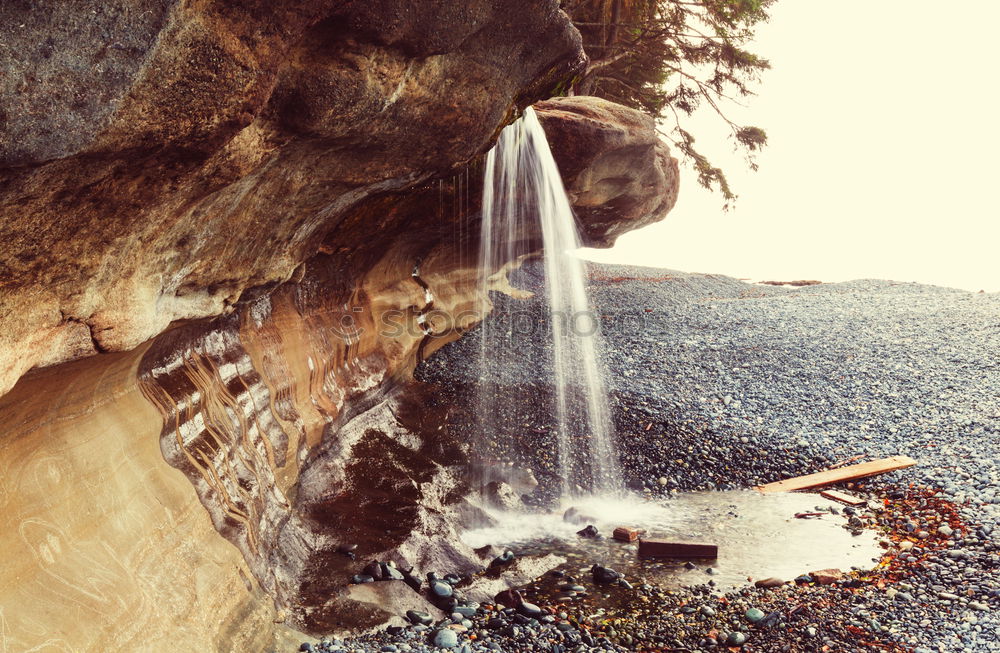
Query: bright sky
882, 120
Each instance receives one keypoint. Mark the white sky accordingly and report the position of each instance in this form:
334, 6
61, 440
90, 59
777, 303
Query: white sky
882, 118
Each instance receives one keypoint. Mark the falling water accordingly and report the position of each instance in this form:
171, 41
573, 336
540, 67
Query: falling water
523, 191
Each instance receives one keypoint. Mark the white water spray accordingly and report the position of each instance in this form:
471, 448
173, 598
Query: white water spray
523, 191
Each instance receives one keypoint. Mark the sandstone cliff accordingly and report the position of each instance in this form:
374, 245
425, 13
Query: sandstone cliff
221, 225
161, 158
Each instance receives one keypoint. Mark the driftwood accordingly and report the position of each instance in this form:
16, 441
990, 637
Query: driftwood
831, 476
843, 497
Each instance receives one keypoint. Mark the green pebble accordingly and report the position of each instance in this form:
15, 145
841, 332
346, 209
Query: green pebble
736, 639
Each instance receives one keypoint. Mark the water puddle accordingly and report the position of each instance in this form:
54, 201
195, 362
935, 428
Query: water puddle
757, 534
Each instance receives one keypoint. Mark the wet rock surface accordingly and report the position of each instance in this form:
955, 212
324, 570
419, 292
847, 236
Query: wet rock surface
888, 608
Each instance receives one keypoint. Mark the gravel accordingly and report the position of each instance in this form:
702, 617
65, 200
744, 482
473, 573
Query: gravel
869, 367
822, 374
836, 370
719, 384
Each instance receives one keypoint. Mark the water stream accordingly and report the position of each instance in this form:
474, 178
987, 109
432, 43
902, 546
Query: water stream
757, 534
523, 194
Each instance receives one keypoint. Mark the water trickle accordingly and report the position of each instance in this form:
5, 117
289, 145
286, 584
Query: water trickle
522, 195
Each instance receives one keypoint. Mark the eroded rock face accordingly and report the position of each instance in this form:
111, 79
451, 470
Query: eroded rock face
295, 423
270, 210
201, 149
618, 172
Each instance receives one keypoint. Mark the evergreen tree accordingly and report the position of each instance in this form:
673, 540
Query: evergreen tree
671, 58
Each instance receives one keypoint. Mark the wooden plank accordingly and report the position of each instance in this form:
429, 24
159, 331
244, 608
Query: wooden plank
838, 475
664, 549
843, 497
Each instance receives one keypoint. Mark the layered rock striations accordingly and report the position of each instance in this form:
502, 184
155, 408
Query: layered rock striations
230, 231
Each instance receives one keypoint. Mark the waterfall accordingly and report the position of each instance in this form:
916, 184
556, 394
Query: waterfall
523, 194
